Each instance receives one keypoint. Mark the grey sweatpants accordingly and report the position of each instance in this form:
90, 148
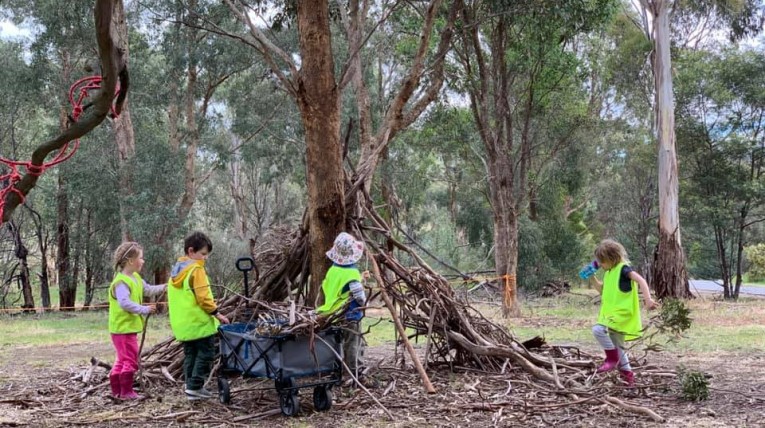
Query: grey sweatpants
353, 347
610, 339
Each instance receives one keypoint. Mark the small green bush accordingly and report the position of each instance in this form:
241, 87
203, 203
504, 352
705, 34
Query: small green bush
755, 254
694, 384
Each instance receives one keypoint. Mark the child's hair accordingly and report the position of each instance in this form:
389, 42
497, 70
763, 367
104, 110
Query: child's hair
124, 252
196, 241
610, 251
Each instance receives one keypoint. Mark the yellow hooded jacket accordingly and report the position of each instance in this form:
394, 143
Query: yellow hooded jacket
191, 302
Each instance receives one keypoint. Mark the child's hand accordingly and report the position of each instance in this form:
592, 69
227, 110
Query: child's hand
365, 275
651, 304
222, 318
152, 309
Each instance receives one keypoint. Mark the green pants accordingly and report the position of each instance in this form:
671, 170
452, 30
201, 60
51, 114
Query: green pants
198, 360
353, 346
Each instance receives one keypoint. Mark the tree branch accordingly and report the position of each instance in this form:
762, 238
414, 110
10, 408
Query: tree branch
113, 66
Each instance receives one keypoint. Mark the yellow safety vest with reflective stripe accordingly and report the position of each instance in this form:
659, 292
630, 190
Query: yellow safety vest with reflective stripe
187, 320
619, 310
120, 320
332, 286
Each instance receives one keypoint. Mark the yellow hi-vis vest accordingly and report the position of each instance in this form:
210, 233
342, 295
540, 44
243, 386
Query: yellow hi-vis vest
620, 311
332, 286
187, 320
120, 320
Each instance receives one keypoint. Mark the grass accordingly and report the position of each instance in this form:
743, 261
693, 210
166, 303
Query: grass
53, 338
752, 283
718, 326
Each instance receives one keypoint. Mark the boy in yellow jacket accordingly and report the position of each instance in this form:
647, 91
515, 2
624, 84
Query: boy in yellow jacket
194, 316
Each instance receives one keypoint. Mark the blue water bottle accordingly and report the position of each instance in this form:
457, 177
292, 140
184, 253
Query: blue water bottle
589, 270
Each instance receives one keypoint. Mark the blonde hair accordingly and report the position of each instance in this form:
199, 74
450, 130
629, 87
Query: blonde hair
125, 252
610, 251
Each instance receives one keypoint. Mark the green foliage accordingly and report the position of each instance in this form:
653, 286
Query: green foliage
674, 317
755, 254
720, 107
694, 384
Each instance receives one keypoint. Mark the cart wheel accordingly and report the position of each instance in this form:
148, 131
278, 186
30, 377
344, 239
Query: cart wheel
322, 398
285, 384
289, 403
224, 392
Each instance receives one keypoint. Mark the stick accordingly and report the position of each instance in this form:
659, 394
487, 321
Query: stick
167, 374
430, 332
97, 362
140, 348
555, 373
416, 360
632, 408
350, 373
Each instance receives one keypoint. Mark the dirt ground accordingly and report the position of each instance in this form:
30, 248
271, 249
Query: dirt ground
33, 394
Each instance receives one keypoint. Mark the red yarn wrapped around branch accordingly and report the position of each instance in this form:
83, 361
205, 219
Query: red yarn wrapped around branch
78, 92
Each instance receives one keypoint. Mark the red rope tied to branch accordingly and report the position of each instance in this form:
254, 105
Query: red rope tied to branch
78, 92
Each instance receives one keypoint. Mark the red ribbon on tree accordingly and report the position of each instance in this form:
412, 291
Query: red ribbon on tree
78, 92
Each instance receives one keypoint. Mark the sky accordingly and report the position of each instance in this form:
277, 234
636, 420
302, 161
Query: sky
10, 31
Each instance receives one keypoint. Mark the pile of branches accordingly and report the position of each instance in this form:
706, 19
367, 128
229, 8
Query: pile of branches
417, 297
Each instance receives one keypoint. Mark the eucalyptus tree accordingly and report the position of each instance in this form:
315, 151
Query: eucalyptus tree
17, 118
669, 277
316, 85
721, 106
64, 31
186, 68
513, 56
265, 163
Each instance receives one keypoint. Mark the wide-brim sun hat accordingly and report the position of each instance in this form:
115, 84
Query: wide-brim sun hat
346, 250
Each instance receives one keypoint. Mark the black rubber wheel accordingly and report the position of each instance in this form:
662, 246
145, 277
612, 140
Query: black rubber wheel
289, 403
224, 392
322, 398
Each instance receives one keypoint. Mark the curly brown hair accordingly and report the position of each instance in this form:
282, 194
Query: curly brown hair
123, 253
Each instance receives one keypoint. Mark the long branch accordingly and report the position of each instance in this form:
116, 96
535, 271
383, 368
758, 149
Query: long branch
113, 64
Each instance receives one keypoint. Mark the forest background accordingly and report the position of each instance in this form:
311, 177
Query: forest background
218, 143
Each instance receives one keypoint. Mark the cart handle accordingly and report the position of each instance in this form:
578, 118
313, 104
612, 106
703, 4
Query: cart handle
245, 264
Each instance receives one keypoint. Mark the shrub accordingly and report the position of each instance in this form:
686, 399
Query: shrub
755, 254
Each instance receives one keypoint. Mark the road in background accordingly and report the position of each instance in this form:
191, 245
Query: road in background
708, 286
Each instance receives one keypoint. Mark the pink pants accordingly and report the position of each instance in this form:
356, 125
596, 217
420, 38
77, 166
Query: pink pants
126, 346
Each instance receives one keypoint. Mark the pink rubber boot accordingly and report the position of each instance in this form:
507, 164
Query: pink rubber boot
612, 359
114, 383
628, 377
126, 382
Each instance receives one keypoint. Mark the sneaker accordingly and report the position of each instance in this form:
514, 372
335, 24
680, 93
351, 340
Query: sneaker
198, 393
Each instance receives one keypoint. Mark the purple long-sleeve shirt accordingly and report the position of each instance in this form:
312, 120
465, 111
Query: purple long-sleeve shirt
122, 293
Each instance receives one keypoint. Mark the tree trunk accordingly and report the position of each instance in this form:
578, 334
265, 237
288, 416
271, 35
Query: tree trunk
42, 243
490, 106
740, 249
505, 230
722, 256
318, 100
124, 135
67, 290
669, 279
21, 253
237, 192
90, 261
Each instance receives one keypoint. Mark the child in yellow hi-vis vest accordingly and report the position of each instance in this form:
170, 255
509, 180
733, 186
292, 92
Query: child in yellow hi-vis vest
194, 315
341, 285
125, 316
619, 318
